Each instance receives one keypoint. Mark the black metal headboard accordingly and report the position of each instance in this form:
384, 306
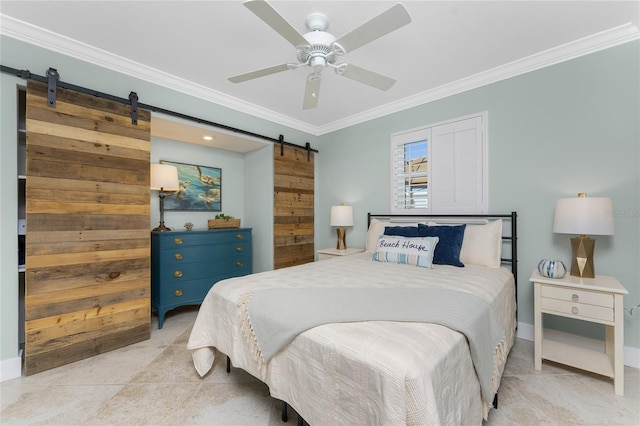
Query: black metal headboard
512, 239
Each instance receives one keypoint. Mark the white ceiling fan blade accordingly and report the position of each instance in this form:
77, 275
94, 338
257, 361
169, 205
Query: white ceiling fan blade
271, 17
311, 92
367, 77
388, 21
259, 73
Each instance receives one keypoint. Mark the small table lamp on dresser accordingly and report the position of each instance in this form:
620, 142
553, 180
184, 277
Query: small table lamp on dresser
164, 178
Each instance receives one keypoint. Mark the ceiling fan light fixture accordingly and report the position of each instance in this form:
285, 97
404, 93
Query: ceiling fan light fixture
318, 63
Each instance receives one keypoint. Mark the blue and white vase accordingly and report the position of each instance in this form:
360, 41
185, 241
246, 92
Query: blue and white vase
552, 268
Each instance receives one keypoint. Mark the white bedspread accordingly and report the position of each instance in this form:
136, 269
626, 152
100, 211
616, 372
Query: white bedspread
374, 372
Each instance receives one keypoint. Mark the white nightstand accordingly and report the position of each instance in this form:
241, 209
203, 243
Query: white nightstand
332, 252
597, 300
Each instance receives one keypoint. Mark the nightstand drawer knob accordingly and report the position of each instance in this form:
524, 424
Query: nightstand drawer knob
574, 297
177, 256
239, 249
177, 274
177, 241
239, 264
177, 293
239, 236
574, 310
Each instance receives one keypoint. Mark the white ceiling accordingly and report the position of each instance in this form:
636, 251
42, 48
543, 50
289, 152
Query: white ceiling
194, 46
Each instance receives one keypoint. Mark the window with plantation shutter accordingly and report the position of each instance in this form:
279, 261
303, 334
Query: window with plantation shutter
410, 156
440, 168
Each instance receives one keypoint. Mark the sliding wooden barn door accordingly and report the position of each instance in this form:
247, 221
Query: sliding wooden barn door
87, 243
293, 207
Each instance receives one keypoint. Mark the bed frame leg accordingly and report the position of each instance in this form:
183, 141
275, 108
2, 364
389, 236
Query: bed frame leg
284, 412
299, 420
495, 401
228, 365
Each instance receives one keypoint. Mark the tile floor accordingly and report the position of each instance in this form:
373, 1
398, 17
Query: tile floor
154, 383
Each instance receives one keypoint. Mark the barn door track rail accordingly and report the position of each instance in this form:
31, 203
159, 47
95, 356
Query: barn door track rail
52, 80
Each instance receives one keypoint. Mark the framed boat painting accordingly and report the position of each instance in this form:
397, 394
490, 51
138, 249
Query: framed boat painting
200, 188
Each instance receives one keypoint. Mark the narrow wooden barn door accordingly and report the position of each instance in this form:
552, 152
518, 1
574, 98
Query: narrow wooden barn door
88, 240
293, 207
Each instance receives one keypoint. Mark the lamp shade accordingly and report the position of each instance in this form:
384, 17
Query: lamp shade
583, 215
165, 177
341, 216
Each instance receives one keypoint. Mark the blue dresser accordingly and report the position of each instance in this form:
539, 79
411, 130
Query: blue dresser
185, 265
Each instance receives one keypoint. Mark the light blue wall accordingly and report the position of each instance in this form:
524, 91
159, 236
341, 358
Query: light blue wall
569, 128
258, 202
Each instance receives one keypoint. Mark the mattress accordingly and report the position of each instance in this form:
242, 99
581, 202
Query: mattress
373, 372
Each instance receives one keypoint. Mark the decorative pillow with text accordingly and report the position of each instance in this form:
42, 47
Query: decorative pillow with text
416, 251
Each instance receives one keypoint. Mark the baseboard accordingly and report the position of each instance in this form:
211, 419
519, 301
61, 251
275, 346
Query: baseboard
11, 368
631, 355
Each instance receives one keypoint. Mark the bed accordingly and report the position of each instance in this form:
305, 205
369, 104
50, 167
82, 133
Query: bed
378, 371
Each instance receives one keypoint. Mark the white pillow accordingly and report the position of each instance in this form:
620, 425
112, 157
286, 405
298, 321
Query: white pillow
376, 228
416, 251
482, 244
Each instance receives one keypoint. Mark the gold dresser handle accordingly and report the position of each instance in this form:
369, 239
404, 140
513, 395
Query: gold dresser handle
239, 264
239, 249
177, 241
177, 256
177, 274
239, 236
574, 297
177, 293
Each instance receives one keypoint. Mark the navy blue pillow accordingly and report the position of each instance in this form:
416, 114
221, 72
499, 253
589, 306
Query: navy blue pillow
447, 250
402, 231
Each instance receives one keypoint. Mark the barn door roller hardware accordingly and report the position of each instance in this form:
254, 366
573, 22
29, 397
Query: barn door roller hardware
53, 82
133, 98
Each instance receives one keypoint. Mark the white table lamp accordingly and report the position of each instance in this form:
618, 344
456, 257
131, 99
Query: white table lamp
164, 178
581, 216
341, 216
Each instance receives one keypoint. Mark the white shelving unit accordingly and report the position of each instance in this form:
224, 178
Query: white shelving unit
22, 213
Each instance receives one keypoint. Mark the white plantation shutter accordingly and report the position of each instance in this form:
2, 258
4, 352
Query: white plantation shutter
410, 171
450, 178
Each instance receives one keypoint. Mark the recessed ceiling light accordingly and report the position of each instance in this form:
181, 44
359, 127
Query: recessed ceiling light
207, 138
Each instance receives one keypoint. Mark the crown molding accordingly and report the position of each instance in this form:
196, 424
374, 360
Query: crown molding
31, 34
584, 46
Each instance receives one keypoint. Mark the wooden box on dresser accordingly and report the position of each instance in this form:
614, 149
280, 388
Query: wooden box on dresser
185, 265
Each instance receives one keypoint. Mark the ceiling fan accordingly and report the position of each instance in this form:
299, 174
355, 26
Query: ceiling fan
319, 49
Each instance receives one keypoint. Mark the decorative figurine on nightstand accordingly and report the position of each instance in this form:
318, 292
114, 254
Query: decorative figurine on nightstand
188, 226
552, 268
